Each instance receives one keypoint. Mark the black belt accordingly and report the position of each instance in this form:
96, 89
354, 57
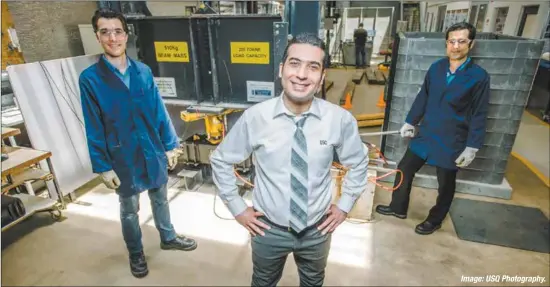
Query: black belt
290, 229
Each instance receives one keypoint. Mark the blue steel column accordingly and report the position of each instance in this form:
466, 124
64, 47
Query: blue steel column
302, 16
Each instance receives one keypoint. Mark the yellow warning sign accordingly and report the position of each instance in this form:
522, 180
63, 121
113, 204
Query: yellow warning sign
250, 53
172, 52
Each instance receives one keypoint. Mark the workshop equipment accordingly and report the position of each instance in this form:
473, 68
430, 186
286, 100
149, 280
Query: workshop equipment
196, 149
213, 60
379, 133
375, 77
214, 123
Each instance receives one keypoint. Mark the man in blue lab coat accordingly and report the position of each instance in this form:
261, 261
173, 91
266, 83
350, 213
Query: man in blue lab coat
450, 113
131, 139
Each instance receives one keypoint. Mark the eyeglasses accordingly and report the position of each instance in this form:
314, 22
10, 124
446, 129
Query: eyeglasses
108, 33
461, 42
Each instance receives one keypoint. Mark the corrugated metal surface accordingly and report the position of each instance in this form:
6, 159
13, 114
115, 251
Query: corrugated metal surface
511, 62
159, 30
225, 54
232, 75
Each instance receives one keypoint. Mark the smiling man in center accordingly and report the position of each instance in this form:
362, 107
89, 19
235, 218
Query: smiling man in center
293, 138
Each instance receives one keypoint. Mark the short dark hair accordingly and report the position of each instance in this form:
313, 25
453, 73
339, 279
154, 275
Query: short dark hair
307, 38
109, 14
360, 24
462, 26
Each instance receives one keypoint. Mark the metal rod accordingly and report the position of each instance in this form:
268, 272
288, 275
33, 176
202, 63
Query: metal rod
56, 184
379, 133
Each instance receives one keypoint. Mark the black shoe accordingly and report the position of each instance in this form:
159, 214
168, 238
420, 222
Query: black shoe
138, 265
386, 210
179, 243
426, 228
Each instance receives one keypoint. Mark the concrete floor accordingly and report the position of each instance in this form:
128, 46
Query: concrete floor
87, 248
533, 145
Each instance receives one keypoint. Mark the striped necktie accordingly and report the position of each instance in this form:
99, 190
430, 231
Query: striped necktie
299, 179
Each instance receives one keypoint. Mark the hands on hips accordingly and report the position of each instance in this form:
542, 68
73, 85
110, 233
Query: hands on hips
249, 219
335, 217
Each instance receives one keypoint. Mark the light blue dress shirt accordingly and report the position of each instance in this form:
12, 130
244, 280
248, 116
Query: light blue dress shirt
125, 78
266, 132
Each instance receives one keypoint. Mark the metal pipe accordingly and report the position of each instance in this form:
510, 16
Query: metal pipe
391, 163
379, 133
381, 169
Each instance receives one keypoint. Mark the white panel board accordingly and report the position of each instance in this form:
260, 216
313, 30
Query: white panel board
49, 99
89, 40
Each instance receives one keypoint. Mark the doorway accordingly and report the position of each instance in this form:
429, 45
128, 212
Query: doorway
477, 16
528, 22
441, 17
500, 19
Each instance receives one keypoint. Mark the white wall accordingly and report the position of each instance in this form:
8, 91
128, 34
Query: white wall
458, 5
432, 10
511, 25
512, 22
169, 8
433, 7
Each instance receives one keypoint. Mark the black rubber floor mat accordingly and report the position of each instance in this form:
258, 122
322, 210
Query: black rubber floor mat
501, 224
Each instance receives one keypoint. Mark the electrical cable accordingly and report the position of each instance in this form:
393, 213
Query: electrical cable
342, 170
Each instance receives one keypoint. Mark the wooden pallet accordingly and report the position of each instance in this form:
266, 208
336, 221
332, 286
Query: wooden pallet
370, 123
358, 77
375, 77
349, 89
364, 117
328, 85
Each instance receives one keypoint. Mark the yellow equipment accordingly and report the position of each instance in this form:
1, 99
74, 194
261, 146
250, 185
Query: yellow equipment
214, 123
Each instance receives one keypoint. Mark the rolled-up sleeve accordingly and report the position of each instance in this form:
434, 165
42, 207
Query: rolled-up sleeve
353, 155
234, 149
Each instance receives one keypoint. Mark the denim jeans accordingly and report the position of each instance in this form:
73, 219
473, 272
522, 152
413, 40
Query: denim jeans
360, 60
129, 208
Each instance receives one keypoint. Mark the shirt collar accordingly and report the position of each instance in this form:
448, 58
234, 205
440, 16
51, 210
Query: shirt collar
280, 108
113, 68
460, 68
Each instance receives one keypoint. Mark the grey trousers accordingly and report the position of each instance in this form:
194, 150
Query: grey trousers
269, 253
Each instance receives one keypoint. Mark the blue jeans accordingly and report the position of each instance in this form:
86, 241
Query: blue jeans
129, 208
360, 60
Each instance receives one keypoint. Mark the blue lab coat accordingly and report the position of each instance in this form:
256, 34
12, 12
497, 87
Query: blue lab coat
128, 128
451, 116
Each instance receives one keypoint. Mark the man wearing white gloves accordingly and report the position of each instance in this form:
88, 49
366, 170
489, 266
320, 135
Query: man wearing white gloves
447, 125
131, 139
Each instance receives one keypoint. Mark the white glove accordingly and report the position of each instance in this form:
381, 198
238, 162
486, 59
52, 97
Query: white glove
466, 157
110, 179
407, 131
172, 156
